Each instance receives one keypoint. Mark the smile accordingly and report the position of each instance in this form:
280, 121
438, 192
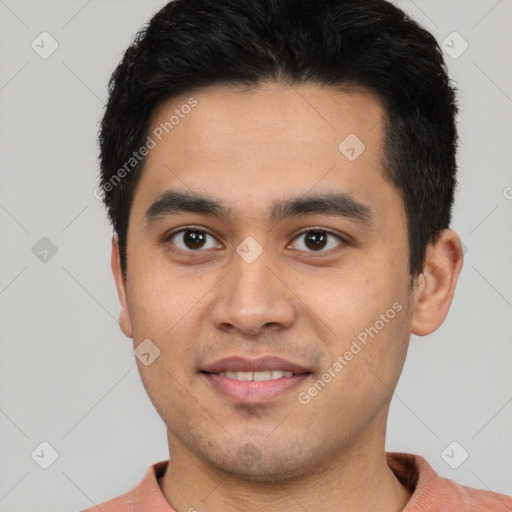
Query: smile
257, 376
252, 388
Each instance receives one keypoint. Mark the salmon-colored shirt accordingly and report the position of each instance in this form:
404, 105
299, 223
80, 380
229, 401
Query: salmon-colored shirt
430, 492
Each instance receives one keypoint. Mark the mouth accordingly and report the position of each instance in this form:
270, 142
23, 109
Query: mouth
258, 381
256, 376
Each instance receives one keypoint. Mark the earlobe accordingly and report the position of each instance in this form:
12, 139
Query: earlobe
125, 321
435, 287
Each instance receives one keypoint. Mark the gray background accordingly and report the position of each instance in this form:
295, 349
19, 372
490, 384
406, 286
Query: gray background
67, 373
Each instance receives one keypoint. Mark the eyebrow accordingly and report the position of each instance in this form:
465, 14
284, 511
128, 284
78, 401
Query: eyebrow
340, 204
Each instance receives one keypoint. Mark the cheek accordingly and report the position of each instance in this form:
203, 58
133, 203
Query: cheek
365, 305
166, 308
158, 300
353, 297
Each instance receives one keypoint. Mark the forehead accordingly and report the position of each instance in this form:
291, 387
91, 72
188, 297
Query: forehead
270, 113
253, 145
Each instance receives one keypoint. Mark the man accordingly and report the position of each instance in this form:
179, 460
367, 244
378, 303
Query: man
280, 178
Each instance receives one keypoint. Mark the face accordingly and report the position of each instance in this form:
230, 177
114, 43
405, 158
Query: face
255, 235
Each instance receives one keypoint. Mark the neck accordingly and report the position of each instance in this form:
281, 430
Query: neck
353, 480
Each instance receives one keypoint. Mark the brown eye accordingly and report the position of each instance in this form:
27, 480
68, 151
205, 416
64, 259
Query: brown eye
317, 241
190, 240
194, 239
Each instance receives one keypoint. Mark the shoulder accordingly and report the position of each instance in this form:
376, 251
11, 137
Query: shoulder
476, 500
433, 493
124, 503
145, 496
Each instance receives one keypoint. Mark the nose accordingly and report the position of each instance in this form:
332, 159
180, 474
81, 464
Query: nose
252, 298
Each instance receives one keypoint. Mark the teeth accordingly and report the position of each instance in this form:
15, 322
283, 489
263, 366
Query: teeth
258, 376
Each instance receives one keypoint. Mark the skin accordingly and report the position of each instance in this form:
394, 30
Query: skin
248, 149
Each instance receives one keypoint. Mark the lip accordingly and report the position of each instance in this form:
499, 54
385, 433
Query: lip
253, 392
242, 364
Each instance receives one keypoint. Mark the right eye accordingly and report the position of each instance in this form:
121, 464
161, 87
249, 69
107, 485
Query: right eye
192, 239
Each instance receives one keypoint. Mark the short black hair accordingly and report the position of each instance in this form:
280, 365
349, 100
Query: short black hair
191, 44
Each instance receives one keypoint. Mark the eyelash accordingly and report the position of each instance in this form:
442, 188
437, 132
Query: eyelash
169, 236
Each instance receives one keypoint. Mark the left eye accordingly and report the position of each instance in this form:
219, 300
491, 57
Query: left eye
317, 241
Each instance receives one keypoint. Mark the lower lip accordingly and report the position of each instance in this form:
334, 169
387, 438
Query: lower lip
251, 391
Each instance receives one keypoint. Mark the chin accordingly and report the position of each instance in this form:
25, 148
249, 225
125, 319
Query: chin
250, 464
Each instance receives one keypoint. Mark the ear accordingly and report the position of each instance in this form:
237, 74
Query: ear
435, 287
125, 321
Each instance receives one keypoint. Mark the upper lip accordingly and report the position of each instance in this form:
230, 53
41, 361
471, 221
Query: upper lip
242, 364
